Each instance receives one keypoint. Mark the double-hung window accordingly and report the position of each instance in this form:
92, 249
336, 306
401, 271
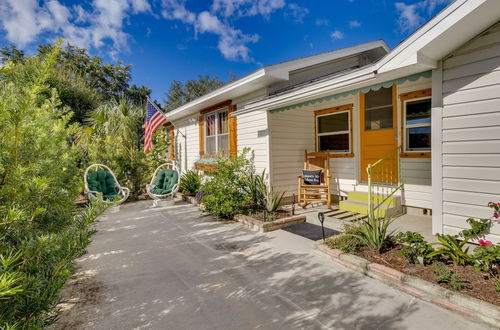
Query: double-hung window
417, 124
333, 130
217, 132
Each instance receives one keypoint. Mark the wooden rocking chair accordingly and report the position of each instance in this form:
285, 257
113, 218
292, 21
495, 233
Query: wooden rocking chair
309, 192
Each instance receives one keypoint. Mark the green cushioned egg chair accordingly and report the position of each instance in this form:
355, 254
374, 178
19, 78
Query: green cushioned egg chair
99, 178
164, 183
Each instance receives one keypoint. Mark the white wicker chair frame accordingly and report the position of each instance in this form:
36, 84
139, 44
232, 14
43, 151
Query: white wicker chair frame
123, 191
157, 198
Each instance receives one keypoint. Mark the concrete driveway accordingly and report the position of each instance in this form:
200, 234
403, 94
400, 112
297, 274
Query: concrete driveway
172, 268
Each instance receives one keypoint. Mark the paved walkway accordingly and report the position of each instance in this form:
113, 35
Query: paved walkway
171, 268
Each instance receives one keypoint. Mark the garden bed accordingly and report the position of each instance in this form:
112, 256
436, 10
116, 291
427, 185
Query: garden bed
478, 285
281, 220
389, 268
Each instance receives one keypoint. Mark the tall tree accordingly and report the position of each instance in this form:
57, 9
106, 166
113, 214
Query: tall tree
179, 93
138, 95
83, 81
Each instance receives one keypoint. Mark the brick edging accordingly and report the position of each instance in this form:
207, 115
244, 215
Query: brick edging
269, 226
189, 199
433, 293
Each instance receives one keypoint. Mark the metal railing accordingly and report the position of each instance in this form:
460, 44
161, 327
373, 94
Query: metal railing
384, 179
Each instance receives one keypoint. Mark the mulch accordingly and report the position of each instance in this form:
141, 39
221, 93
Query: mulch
479, 285
279, 214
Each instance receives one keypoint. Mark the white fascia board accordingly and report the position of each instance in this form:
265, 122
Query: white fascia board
442, 34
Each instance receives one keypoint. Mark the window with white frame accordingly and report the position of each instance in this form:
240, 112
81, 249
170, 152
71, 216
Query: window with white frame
217, 132
417, 124
333, 132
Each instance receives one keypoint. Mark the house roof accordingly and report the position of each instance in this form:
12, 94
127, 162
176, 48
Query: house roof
449, 29
268, 75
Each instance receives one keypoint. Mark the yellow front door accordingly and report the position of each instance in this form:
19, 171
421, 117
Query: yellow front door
378, 121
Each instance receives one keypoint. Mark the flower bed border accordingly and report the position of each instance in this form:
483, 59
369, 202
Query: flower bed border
264, 227
186, 198
454, 301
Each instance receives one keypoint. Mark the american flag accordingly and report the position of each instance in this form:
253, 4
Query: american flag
154, 119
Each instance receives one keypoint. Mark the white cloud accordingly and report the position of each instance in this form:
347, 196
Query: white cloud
102, 26
337, 35
297, 12
322, 21
240, 8
140, 6
354, 24
233, 43
411, 16
23, 20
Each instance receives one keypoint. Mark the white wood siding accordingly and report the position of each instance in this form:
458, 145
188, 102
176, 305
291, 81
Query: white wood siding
415, 172
253, 133
187, 142
292, 132
471, 132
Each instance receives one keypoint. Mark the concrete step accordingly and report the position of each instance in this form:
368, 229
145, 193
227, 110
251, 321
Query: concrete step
362, 208
359, 196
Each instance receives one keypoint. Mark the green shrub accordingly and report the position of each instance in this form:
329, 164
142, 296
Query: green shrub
255, 186
224, 192
453, 246
487, 259
457, 282
374, 233
191, 182
413, 246
41, 232
347, 242
445, 275
272, 198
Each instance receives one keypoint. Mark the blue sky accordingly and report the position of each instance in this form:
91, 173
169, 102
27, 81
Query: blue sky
167, 40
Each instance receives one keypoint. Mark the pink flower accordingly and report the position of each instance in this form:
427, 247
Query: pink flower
496, 215
483, 242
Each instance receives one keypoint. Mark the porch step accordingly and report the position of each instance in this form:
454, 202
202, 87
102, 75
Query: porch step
357, 202
346, 216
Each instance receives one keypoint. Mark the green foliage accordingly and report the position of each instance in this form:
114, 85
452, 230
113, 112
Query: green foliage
225, 195
179, 93
256, 187
114, 138
191, 182
41, 232
83, 81
272, 198
487, 259
445, 275
457, 282
374, 233
478, 228
347, 242
453, 246
413, 246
